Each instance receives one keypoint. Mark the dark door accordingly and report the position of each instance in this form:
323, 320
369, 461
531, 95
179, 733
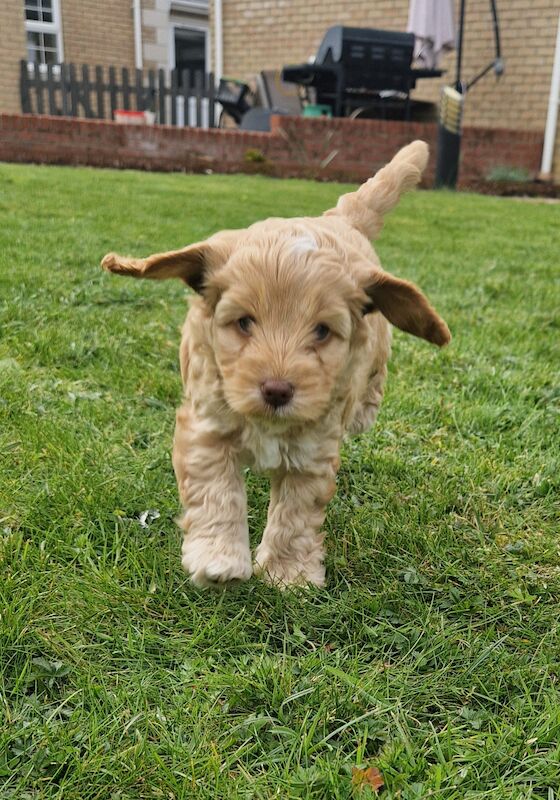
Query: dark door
190, 51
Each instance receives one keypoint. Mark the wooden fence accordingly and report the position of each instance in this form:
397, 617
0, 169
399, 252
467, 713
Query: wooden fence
176, 98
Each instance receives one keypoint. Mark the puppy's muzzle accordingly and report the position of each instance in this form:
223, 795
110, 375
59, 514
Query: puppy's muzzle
277, 393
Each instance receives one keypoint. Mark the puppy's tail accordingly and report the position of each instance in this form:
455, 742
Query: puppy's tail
366, 207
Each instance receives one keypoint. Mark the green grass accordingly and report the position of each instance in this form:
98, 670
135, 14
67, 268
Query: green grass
434, 652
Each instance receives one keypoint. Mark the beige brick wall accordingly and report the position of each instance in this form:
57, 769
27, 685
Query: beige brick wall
267, 34
98, 32
12, 37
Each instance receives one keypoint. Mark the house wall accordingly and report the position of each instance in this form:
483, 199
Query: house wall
155, 35
12, 50
288, 31
98, 32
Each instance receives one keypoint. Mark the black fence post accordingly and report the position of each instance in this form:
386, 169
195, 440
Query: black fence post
24, 93
161, 96
86, 89
186, 87
51, 90
140, 104
210, 93
65, 89
174, 93
198, 90
38, 88
112, 91
152, 90
99, 92
125, 89
74, 95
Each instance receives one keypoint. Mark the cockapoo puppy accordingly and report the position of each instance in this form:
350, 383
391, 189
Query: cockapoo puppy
284, 351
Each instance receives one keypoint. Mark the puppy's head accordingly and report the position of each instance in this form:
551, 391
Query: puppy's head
284, 324
288, 297
288, 307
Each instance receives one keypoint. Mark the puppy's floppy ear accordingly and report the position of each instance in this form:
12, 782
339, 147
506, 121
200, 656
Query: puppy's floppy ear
187, 264
192, 264
404, 305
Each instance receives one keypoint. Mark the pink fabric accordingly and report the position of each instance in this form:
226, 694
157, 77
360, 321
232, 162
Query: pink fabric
431, 21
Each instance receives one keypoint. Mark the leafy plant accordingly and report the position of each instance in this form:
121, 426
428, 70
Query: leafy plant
510, 174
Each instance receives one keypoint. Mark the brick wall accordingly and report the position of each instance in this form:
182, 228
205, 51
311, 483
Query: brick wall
98, 32
267, 34
338, 149
13, 48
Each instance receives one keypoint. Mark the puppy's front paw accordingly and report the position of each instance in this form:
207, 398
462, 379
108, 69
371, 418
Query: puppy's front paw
296, 570
213, 563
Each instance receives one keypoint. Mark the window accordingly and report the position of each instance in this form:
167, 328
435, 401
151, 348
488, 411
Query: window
190, 50
192, 6
42, 26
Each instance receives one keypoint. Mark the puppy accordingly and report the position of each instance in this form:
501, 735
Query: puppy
283, 352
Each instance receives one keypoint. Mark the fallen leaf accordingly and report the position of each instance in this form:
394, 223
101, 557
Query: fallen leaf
367, 777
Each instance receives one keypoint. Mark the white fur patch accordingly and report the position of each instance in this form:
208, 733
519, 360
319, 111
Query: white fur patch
304, 244
270, 450
267, 451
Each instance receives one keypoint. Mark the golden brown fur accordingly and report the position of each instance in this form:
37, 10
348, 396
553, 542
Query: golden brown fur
293, 312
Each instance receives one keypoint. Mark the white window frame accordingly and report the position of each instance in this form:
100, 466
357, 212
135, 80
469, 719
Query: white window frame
47, 27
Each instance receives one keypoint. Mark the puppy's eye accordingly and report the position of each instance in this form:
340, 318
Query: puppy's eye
322, 332
244, 324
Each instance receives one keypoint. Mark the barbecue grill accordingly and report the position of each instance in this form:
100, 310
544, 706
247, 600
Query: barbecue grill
357, 67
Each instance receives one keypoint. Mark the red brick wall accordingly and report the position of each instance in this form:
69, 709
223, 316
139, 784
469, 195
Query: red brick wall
338, 149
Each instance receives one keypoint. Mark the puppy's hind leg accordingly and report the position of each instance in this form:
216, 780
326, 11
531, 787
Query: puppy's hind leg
216, 541
291, 551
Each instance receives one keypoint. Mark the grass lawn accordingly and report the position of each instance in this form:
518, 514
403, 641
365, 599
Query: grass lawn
434, 652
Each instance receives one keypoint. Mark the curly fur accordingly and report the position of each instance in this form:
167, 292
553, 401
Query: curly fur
286, 280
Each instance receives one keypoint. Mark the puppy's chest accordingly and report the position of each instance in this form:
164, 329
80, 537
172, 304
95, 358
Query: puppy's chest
267, 450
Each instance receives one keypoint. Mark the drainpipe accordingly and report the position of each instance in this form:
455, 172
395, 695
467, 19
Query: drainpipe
137, 15
552, 116
218, 41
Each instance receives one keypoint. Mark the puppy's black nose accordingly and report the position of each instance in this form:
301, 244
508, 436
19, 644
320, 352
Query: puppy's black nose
277, 393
